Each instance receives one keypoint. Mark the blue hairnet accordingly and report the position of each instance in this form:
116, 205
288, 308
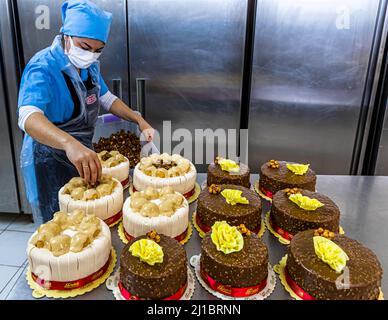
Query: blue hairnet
82, 18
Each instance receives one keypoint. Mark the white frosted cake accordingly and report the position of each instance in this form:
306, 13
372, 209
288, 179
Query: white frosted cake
69, 251
163, 170
104, 200
114, 164
162, 210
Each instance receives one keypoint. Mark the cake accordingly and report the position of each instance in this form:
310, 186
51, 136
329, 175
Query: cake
288, 216
279, 175
351, 271
225, 171
114, 164
236, 265
125, 142
163, 170
212, 206
70, 251
105, 200
156, 272
163, 210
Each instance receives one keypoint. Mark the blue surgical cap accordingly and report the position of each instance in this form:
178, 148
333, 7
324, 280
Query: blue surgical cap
82, 18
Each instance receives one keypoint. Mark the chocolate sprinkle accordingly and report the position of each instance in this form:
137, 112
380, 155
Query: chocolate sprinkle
213, 207
319, 280
274, 180
160, 280
244, 268
288, 216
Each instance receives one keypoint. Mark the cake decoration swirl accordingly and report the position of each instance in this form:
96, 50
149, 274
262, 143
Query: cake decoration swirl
298, 168
226, 238
228, 165
148, 251
330, 253
305, 203
234, 197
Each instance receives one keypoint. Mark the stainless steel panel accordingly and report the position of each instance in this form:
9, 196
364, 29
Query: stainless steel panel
10, 78
8, 195
40, 21
190, 54
382, 156
310, 64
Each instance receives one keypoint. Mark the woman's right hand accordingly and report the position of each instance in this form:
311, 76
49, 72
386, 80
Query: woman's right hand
85, 160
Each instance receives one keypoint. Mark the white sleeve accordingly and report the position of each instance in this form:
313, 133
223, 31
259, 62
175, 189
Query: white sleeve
107, 100
24, 113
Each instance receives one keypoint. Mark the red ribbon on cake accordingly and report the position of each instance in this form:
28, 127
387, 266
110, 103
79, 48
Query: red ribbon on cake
229, 290
285, 234
179, 238
205, 228
295, 287
114, 218
186, 195
267, 193
129, 296
70, 285
125, 182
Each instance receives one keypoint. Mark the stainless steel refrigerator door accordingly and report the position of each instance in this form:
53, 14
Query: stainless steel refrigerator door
40, 21
8, 195
309, 72
381, 168
190, 55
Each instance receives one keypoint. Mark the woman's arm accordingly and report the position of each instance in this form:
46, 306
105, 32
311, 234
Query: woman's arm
85, 160
120, 109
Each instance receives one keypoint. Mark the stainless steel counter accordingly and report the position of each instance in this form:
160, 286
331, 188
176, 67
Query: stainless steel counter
364, 216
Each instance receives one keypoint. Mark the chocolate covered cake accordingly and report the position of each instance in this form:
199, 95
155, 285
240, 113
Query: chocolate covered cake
216, 175
242, 272
288, 218
275, 176
162, 280
360, 279
212, 206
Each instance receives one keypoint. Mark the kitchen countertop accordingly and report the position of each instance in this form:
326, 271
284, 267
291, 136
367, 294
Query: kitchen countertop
363, 202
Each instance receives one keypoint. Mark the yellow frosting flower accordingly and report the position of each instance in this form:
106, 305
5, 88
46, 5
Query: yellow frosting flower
234, 196
226, 238
330, 253
229, 165
305, 202
148, 251
297, 168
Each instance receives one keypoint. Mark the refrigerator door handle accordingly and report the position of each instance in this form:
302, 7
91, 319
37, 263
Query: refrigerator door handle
140, 96
117, 88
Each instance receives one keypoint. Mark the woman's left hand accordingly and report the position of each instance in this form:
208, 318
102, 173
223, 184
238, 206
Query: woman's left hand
146, 130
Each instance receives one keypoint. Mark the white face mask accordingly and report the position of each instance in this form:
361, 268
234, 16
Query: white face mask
81, 58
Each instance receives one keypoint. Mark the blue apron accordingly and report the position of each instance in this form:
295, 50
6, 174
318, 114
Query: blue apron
46, 169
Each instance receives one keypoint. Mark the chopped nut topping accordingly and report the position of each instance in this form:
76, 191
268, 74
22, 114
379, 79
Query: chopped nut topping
291, 191
273, 164
324, 233
244, 230
214, 189
153, 235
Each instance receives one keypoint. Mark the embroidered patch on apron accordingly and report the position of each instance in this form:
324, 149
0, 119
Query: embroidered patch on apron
91, 99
